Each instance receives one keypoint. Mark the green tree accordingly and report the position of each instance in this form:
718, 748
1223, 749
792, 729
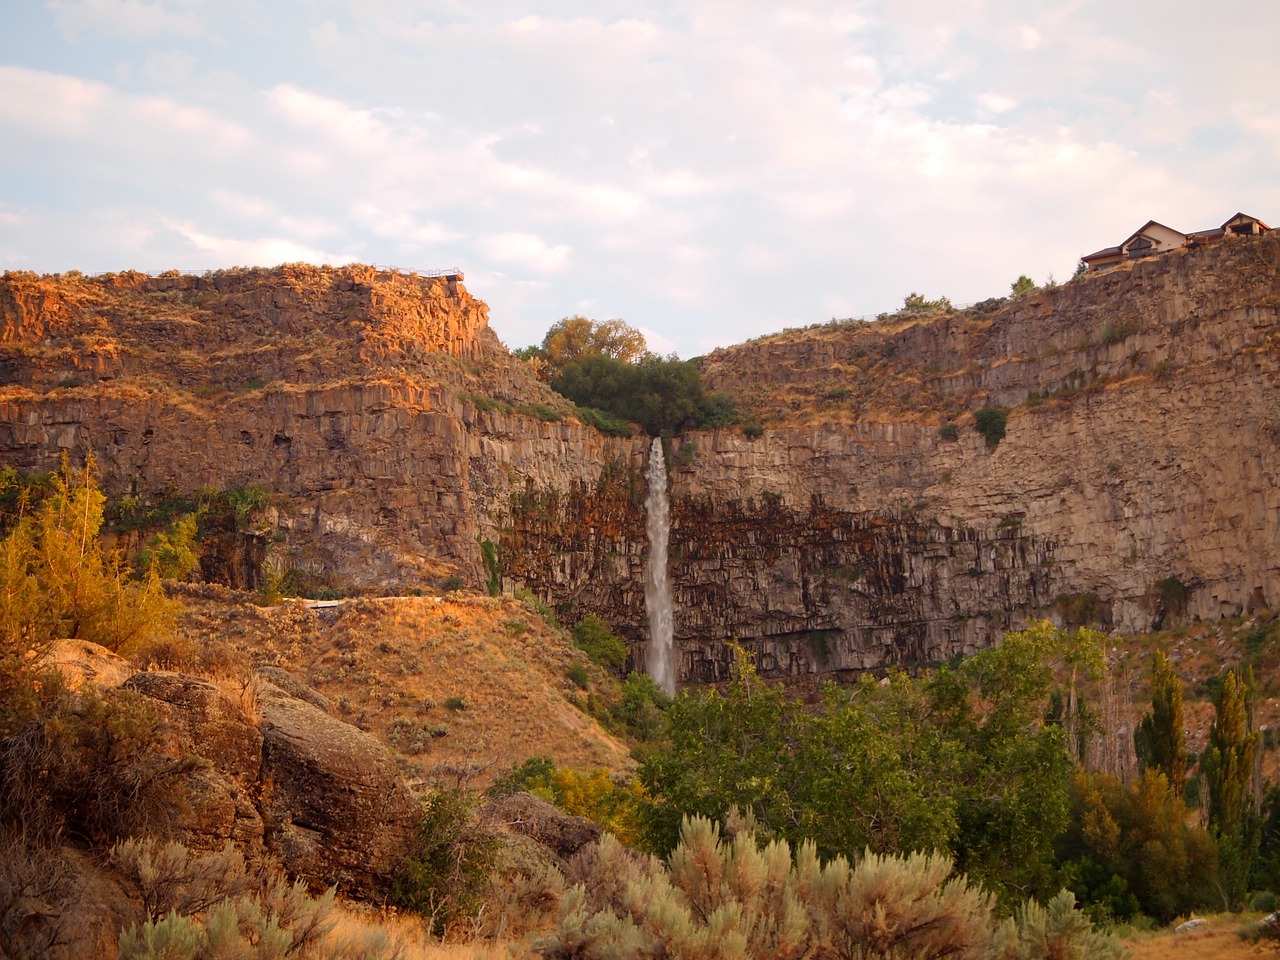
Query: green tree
662, 394
1129, 848
990, 422
917, 303
1228, 774
1160, 739
960, 761
1023, 284
573, 339
602, 646
173, 554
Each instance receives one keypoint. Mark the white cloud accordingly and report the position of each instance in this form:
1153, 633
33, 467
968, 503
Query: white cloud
134, 19
527, 250
264, 251
996, 103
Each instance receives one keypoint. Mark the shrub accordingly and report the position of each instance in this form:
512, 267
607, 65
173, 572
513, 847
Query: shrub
990, 422
277, 920
602, 646
732, 898
92, 765
452, 583
34, 885
455, 703
492, 567
1173, 595
605, 422
1056, 930
168, 878
949, 432
59, 582
445, 875
577, 674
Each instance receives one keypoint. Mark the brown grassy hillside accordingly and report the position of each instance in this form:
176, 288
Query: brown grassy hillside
461, 688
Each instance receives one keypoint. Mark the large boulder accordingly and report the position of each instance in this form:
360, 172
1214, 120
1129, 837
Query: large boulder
525, 815
215, 725
207, 723
81, 662
335, 807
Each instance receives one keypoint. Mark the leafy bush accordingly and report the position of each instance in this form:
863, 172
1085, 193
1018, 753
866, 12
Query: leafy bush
1137, 834
91, 766
990, 422
577, 674
602, 646
1173, 595
258, 917
960, 761
34, 885
173, 554
606, 423
492, 567
1055, 930
445, 875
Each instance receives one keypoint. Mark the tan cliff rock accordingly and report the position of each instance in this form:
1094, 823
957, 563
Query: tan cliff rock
1138, 482
870, 523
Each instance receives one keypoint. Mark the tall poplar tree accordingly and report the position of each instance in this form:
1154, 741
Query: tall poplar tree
1161, 740
1228, 773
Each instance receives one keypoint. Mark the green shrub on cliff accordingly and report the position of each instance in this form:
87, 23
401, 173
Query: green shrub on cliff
990, 422
602, 646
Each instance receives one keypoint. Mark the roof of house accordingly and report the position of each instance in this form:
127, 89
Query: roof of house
1196, 236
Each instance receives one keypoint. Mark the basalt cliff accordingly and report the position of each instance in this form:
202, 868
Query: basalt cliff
859, 520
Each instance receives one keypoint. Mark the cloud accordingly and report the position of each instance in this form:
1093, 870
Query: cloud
527, 250
134, 19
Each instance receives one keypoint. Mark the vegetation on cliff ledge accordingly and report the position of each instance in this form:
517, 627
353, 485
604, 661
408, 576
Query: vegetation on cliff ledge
607, 369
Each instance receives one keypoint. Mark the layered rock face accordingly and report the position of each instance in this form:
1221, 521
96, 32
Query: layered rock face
1138, 482
380, 404
869, 523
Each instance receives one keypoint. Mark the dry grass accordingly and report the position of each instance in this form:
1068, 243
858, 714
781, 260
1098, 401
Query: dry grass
1220, 941
460, 688
406, 932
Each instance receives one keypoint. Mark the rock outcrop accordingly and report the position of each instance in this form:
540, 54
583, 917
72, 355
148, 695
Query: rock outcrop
335, 807
868, 523
318, 794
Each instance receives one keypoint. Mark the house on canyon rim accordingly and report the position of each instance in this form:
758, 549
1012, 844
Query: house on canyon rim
1153, 238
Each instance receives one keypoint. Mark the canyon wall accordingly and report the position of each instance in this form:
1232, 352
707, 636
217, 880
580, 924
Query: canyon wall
867, 523
1138, 482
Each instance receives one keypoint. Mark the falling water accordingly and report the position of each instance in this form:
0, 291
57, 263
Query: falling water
657, 588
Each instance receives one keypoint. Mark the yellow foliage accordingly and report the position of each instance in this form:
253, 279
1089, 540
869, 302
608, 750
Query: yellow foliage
616, 806
58, 582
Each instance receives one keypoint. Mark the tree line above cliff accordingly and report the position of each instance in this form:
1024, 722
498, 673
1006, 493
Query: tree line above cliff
607, 366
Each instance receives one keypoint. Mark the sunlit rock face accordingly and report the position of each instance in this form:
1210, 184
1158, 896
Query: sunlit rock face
869, 523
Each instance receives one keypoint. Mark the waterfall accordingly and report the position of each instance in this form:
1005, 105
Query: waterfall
657, 587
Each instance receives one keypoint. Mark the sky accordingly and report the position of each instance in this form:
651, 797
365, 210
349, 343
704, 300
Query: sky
706, 171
